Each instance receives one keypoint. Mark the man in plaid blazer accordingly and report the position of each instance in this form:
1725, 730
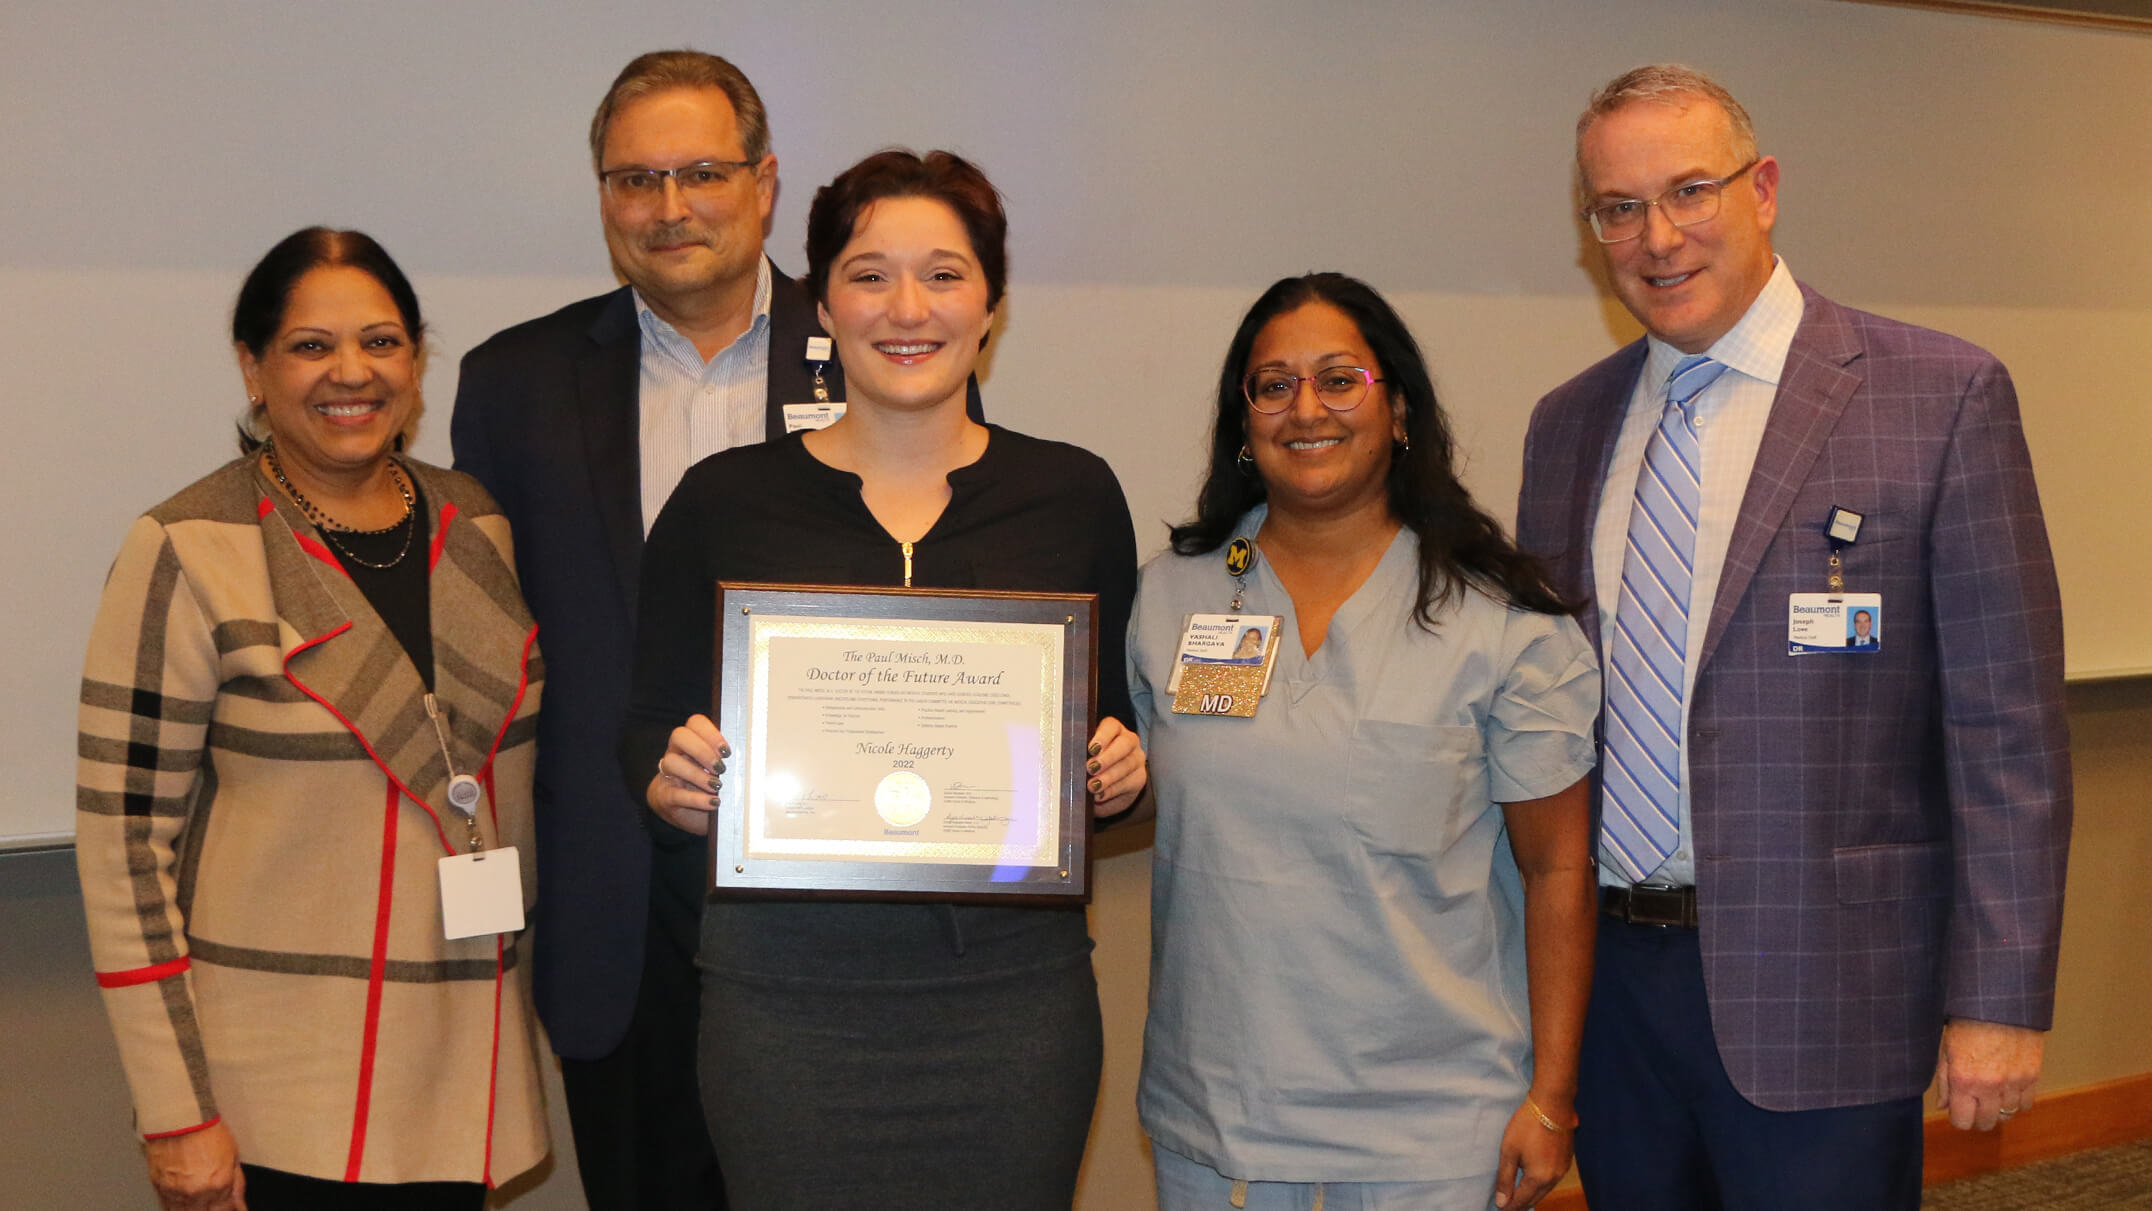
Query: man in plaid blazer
1870, 849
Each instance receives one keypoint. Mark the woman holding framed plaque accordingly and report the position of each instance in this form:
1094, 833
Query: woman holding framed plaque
1367, 845
889, 1054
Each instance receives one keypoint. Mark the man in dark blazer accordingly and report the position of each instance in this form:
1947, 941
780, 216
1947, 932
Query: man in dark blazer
580, 423
1818, 869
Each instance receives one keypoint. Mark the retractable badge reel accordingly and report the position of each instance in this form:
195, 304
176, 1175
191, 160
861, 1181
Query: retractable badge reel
1836, 622
824, 411
482, 889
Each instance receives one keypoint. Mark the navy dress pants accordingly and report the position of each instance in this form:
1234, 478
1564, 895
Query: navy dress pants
1663, 1128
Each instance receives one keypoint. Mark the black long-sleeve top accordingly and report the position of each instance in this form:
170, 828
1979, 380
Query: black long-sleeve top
1029, 516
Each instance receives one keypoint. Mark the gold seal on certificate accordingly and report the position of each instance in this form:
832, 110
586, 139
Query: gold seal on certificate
903, 743
902, 798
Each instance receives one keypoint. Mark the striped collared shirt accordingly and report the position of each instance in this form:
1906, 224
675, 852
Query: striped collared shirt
692, 409
1731, 414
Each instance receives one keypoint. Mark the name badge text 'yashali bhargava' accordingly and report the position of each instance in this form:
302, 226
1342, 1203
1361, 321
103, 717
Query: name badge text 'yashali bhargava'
904, 756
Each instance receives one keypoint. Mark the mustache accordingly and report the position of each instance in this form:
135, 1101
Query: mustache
675, 233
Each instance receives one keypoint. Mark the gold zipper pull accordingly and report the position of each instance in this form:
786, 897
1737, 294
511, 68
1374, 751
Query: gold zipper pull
907, 565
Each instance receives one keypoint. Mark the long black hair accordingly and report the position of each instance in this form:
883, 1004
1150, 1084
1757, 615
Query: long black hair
1461, 547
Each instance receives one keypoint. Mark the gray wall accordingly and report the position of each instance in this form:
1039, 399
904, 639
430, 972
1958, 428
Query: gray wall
1162, 163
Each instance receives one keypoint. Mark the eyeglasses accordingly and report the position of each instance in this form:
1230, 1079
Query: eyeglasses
1339, 388
1685, 205
699, 179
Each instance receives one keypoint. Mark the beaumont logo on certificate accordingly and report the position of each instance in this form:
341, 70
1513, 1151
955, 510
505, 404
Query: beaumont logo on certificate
903, 744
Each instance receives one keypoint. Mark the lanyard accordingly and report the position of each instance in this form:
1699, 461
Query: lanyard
463, 791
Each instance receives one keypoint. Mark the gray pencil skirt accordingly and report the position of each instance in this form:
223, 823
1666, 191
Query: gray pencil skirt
898, 1056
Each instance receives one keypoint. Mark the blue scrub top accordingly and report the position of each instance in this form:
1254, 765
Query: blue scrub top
1337, 936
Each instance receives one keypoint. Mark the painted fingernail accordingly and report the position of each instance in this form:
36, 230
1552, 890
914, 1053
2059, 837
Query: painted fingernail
1097, 785
714, 802
716, 785
1091, 768
724, 750
1095, 746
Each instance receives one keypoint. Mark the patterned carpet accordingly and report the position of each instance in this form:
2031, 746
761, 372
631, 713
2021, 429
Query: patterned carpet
2106, 1179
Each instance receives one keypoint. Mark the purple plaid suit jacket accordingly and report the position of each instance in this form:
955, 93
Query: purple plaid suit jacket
1880, 839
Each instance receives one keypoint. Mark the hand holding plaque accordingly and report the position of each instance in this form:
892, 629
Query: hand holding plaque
690, 774
903, 744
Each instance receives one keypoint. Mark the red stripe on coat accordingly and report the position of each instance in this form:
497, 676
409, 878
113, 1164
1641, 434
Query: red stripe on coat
356, 734
440, 535
493, 1067
376, 977
315, 549
515, 704
165, 1135
264, 509
146, 975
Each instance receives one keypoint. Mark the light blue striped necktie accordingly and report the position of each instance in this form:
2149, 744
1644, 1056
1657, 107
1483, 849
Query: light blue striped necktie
1649, 648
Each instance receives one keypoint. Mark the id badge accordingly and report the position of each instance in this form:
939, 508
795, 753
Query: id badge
812, 416
1223, 664
1844, 624
481, 893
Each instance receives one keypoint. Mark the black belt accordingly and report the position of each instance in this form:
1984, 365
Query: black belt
1648, 905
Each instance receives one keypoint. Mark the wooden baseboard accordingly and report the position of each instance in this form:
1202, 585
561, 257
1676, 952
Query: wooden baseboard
2090, 1116
1566, 1197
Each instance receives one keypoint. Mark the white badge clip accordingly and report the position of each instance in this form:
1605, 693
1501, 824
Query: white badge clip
818, 352
481, 893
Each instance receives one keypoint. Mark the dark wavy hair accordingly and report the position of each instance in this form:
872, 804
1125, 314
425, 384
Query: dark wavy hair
263, 297
1461, 547
944, 176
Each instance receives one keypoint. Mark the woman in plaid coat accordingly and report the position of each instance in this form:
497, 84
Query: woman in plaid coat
298, 661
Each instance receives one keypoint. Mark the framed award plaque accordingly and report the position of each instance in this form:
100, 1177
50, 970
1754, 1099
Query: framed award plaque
899, 744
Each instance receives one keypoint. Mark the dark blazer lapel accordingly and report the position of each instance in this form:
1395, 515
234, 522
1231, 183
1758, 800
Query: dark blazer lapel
1812, 394
608, 380
1599, 428
791, 375
338, 652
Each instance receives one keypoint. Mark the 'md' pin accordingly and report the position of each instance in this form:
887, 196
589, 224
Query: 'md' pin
1239, 553
1845, 525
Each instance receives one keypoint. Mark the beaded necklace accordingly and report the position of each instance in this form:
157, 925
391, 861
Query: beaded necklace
330, 528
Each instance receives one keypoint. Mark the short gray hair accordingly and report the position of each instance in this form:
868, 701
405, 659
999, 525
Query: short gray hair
664, 70
1667, 84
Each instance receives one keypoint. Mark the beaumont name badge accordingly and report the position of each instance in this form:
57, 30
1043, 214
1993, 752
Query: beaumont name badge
812, 416
1838, 623
1223, 664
